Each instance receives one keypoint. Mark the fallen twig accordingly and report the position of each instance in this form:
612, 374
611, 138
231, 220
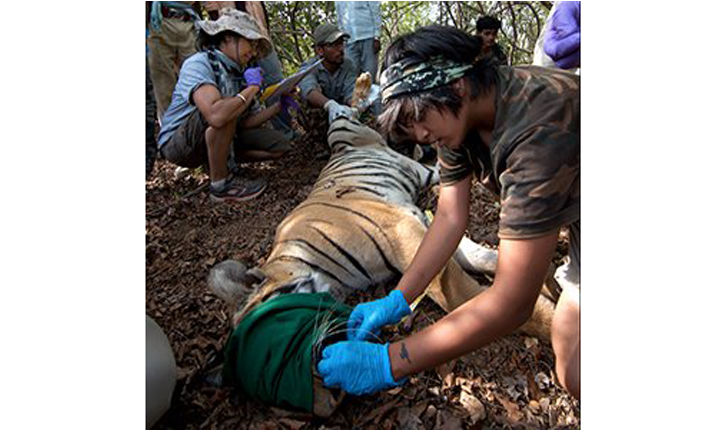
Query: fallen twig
156, 212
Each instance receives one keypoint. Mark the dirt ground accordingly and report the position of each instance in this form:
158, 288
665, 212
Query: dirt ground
509, 384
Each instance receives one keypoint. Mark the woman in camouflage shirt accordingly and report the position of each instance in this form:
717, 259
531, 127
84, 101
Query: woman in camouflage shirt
518, 130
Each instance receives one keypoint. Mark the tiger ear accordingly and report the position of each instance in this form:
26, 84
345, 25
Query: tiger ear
228, 280
254, 276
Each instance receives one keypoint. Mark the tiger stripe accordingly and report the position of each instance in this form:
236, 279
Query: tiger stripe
316, 250
391, 179
347, 209
355, 263
315, 267
367, 189
394, 270
377, 165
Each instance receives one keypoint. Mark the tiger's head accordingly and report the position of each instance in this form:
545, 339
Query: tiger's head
242, 288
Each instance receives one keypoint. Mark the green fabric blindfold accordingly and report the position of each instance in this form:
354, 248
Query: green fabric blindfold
269, 355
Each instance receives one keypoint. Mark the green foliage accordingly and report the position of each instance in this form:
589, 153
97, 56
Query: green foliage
400, 18
292, 23
291, 26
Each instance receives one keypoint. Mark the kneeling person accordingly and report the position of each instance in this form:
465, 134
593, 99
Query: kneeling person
212, 118
331, 85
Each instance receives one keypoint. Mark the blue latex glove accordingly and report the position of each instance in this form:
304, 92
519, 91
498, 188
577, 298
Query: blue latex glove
367, 318
253, 76
358, 367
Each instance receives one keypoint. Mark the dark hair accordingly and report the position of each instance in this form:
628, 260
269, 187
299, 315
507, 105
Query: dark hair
206, 41
487, 23
422, 45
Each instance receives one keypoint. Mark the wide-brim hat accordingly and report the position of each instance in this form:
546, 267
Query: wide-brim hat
240, 23
328, 34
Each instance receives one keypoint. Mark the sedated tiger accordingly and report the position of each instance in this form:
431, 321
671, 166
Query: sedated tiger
358, 230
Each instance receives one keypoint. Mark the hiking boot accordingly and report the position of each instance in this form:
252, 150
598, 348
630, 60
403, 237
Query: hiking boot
238, 189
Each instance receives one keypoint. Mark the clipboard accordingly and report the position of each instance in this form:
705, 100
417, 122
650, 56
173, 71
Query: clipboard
289, 83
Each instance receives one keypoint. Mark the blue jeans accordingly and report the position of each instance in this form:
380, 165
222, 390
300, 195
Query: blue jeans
362, 53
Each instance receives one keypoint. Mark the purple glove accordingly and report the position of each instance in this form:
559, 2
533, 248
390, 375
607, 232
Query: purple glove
253, 76
358, 367
287, 102
367, 318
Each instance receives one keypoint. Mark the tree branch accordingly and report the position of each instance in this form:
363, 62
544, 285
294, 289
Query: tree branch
449, 11
293, 13
515, 32
548, 5
538, 22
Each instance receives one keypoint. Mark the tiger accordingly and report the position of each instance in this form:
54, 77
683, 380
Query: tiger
358, 231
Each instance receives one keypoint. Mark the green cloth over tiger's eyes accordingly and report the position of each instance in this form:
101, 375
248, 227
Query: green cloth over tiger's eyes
269, 355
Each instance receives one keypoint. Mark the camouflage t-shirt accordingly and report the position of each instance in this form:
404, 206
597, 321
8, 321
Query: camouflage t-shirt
533, 159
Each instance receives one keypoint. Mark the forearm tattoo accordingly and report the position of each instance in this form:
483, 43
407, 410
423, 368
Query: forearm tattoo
404, 353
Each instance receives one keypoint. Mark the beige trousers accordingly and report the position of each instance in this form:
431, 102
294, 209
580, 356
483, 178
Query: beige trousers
169, 47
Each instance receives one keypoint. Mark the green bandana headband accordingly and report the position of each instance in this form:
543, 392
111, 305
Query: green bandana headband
410, 76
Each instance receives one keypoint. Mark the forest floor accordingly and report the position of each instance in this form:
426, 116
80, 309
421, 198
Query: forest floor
509, 384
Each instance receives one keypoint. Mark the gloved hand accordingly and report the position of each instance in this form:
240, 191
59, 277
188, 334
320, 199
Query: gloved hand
253, 76
358, 367
286, 103
362, 105
335, 110
367, 318
374, 95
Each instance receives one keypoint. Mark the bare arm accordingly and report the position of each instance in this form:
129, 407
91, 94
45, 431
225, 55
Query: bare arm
441, 240
219, 111
316, 99
499, 310
259, 118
